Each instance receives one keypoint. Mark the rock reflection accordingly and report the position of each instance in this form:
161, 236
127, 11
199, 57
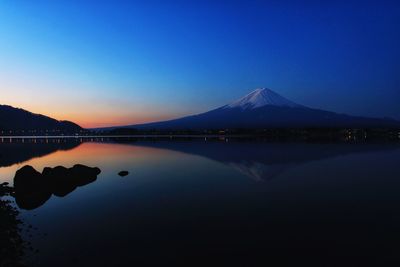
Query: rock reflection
32, 189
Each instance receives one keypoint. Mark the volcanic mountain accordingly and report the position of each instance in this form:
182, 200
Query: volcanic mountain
16, 119
263, 108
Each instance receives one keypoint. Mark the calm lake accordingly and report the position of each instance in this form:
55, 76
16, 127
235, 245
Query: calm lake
213, 202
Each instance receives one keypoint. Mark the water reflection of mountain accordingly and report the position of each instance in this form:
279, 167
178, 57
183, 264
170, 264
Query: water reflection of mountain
256, 159
262, 160
14, 151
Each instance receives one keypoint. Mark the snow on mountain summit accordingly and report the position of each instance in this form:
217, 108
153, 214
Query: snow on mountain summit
262, 97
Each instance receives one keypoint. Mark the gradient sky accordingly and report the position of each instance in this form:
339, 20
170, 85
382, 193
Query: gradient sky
103, 63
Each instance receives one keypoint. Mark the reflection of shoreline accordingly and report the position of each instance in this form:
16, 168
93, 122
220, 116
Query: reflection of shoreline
13, 246
15, 151
257, 159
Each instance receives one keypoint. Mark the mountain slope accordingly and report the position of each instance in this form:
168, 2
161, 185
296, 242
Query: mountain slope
264, 108
15, 119
262, 97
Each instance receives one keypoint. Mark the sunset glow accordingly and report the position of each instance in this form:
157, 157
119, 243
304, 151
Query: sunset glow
110, 64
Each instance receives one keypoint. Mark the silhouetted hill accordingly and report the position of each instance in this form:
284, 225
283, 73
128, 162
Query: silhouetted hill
16, 119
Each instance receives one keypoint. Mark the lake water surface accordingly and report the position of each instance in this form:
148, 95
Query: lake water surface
214, 202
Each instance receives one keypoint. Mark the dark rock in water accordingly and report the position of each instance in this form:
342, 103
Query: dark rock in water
84, 175
63, 180
59, 181
123, 173
32, 189
27, 179
85, 170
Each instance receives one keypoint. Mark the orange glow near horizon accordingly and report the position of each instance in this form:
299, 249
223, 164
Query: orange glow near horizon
87, 109
108, 120
93, 117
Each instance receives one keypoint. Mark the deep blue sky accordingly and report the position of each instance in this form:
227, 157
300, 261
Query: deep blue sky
115, 62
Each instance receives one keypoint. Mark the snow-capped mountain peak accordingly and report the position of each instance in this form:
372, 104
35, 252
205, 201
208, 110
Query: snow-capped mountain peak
262, 97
